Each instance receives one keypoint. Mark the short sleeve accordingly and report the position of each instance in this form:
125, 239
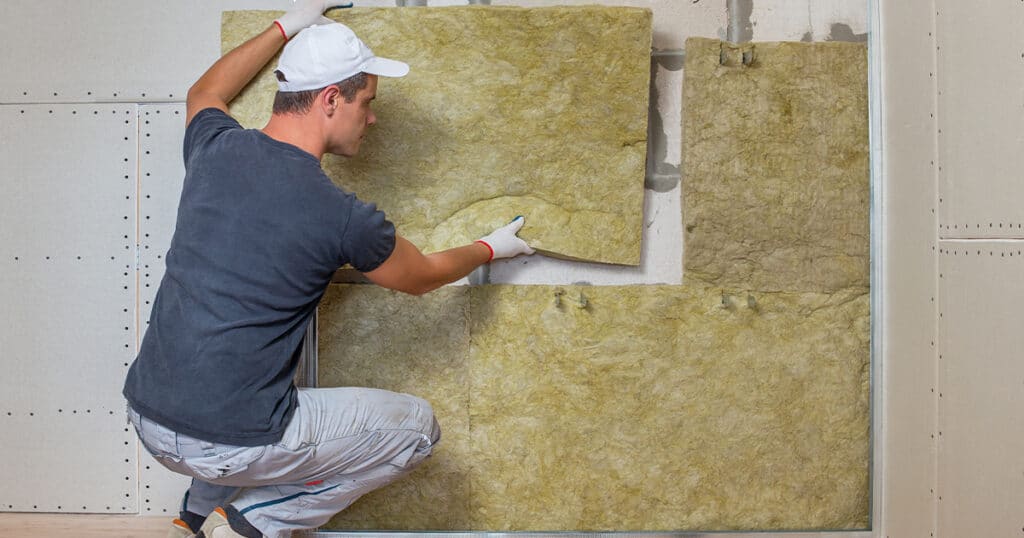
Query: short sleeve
204, 127
369, 238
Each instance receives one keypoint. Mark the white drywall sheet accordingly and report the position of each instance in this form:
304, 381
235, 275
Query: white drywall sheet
111, 50
161, 174
981, 110
981, 389
67, 331
903, 46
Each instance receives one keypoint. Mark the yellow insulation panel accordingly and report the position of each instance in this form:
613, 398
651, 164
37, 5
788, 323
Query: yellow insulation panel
776, 179
506, 111
372, 337
618, 408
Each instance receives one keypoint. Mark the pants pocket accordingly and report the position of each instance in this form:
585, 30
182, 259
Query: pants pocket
160, 455
224, 464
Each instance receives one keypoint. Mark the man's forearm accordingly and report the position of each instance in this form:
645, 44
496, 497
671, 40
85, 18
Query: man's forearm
408, 270
453, 264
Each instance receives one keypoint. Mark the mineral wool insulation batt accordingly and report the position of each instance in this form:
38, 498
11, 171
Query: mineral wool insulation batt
737, 401
505, 111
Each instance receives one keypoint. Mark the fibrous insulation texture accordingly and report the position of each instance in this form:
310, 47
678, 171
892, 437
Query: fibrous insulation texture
776, 179
616, 408
505, 111
739, 401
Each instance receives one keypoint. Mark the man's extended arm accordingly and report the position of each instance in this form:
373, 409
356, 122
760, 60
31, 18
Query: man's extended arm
410, 271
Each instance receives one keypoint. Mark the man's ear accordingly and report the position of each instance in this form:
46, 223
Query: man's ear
330, 99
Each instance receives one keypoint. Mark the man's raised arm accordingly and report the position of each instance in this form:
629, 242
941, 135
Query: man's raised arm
228, 75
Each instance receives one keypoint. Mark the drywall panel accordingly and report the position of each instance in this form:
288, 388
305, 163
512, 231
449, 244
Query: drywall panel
539, 112
981, 389
68, 51
67, 255
776, 188
378, 338
981, 109
41, 472
161, 174
616, 407
903, 47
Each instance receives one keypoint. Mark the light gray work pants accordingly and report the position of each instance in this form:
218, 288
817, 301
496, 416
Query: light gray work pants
340, 444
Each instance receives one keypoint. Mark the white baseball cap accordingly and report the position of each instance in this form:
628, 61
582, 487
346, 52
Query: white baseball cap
325, 54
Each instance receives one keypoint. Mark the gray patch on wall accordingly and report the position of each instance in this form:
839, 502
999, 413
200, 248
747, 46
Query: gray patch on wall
843, 32
661, 176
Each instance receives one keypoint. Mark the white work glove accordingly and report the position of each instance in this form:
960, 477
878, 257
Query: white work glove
504, 243
305, 13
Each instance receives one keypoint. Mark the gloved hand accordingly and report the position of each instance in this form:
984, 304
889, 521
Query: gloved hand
504, 243
305, 13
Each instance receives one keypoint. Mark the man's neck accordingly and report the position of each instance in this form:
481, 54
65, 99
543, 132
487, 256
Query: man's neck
296, 130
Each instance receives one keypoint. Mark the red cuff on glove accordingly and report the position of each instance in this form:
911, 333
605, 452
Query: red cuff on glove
484, 243
281, 28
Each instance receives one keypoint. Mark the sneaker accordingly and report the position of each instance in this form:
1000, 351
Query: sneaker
180, 529
216, 526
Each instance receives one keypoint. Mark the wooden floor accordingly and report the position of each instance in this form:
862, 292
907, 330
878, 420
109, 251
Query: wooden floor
83, 526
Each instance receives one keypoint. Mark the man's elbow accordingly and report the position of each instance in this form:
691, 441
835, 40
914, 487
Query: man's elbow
194, 92
419, 289
198, 93
408, 286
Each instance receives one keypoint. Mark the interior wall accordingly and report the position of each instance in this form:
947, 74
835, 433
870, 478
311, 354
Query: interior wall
95, 57
980, 438
953, 380
65, 349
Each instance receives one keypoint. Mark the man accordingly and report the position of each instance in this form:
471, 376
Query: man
260, 232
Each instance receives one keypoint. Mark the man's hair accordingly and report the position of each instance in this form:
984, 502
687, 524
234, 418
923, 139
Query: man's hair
300, 102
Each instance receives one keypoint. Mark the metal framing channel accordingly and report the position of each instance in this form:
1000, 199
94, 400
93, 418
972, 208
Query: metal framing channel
812, 534
306, 373
877, 216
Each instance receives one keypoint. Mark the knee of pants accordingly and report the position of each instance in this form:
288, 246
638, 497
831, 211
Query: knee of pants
430, 426
435, 430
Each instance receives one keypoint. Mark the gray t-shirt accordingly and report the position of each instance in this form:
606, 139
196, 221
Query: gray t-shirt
260, 231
